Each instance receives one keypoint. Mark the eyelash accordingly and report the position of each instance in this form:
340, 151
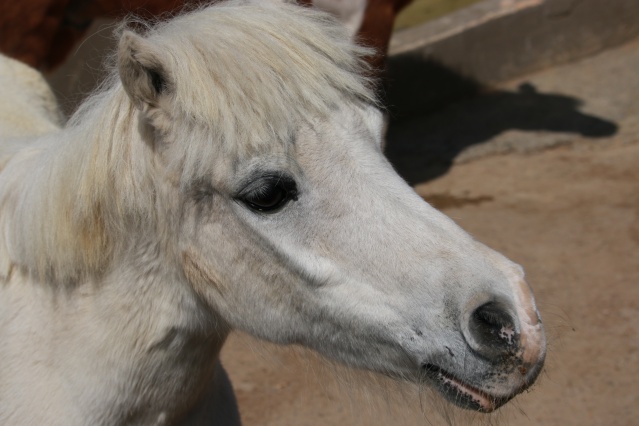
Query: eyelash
270, 194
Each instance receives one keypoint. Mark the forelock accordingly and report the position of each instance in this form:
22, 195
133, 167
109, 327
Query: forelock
252, 71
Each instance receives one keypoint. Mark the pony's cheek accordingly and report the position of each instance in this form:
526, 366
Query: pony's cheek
201, 275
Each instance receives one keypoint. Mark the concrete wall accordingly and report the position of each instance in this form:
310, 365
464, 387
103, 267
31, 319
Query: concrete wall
497, 40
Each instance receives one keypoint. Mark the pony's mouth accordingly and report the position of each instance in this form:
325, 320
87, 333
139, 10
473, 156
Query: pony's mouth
460, 393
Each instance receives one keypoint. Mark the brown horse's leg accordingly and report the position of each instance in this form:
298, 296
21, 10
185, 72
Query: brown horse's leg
377, 28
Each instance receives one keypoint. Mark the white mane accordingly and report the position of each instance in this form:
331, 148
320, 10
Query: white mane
223, 81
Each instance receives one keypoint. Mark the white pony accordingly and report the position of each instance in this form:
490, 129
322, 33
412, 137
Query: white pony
230, 176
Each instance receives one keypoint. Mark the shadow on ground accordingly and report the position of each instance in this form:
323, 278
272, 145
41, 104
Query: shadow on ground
423, 141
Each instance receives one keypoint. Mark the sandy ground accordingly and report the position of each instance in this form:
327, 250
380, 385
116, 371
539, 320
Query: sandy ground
565, 204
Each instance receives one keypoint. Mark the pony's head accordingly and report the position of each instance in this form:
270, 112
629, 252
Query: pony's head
283, 215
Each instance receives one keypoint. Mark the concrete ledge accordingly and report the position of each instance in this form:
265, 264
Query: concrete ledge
497, 40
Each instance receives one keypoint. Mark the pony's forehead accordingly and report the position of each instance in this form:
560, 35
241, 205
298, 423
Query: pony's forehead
225, 164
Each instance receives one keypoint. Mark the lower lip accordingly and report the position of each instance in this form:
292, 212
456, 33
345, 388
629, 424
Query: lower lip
460, 393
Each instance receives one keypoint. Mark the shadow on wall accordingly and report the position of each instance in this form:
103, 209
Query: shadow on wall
433, 123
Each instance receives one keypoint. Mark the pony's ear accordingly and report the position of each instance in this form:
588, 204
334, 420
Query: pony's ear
143, 75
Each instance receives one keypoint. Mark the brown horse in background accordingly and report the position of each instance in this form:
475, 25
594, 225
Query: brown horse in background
41, 33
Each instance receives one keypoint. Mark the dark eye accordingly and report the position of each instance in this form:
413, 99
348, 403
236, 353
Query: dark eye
269, 193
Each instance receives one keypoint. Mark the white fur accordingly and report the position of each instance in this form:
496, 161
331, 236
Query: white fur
127, 256
28, 106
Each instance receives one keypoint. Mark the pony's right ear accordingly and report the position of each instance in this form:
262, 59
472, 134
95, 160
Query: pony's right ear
142, 72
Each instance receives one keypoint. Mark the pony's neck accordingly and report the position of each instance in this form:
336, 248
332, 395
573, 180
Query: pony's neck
171, 339
81, 243
72, 196
137, 343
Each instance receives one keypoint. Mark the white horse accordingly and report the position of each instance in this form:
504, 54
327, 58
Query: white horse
231, 176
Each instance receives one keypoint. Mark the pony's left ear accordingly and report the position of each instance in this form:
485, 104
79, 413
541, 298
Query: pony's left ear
143, 75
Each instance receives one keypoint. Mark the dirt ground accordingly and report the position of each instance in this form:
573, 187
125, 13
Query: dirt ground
567, 209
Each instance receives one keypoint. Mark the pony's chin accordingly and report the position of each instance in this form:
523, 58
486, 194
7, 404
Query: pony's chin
462, 394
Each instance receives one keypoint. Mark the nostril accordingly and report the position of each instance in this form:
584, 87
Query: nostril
493, 328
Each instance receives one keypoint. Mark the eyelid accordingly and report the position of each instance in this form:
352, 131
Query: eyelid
266, 179
268, 193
